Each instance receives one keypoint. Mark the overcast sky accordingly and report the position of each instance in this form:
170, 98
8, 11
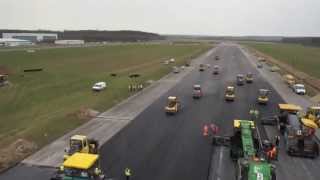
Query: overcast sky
202, 17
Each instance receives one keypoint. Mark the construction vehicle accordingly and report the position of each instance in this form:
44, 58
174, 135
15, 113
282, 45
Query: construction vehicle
173, 105
80, 166
247, 153
82, 144
3, 80
216, 69
201, 67
249, 78
263, 96
230, 94
298, 131
313, 114
197, 92
240, 79
289, 80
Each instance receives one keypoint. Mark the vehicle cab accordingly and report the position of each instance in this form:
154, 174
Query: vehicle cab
197, 92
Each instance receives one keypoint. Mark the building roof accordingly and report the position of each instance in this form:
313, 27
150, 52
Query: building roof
12, 40
81, 161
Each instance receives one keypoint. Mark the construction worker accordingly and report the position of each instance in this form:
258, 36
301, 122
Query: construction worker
277, 140
127, 173
272, 153
205, 130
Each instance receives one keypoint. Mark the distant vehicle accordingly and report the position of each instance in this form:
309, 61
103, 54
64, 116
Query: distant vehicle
240, 79
289, 80
201, 67
249, 78
187, 64
197, 92
172, 60
230, 94
263, 96
259, 65
173, 105
299, 89
99, 86
208, 65
216, 58
176, 69
216, 69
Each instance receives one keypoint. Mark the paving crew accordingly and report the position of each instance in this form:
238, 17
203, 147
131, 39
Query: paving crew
127, 173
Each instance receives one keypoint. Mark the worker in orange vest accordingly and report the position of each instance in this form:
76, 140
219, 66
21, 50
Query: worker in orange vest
205, 130
272, 153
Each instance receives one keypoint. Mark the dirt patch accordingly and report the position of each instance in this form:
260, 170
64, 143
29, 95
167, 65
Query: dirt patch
313, 84
84, 114
4, 70
16, 151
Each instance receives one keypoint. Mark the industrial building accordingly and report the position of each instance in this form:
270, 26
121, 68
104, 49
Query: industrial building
33, 37
14, 42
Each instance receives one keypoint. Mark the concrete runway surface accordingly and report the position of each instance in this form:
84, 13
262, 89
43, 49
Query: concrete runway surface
160, 147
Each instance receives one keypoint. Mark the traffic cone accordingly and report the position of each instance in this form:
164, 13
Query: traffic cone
205, 130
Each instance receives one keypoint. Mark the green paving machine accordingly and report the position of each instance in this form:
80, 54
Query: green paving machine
246, 150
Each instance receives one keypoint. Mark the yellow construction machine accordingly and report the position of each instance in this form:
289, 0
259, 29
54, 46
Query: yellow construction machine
230, 93
82, 144
173, 105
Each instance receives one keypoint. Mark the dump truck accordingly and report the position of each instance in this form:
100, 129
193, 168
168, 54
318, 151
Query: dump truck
82, 144
230, 94
80, 166
263, 96
245, 150
173, 105
249, 78
298, 131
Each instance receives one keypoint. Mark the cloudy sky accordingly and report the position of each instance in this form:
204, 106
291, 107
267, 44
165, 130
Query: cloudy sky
202, 17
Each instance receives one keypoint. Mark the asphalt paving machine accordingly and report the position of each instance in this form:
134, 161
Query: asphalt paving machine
246, 149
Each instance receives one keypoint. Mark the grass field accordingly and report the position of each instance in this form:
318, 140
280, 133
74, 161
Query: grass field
41, 106
303, 58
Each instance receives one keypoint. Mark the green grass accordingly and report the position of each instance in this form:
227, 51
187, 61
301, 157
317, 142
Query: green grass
41, 106
303, 58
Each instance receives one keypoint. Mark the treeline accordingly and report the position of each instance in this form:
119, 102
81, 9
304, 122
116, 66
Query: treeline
313, 41
95, 35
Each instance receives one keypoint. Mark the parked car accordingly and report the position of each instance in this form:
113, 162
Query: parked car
99, 86
299, 89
